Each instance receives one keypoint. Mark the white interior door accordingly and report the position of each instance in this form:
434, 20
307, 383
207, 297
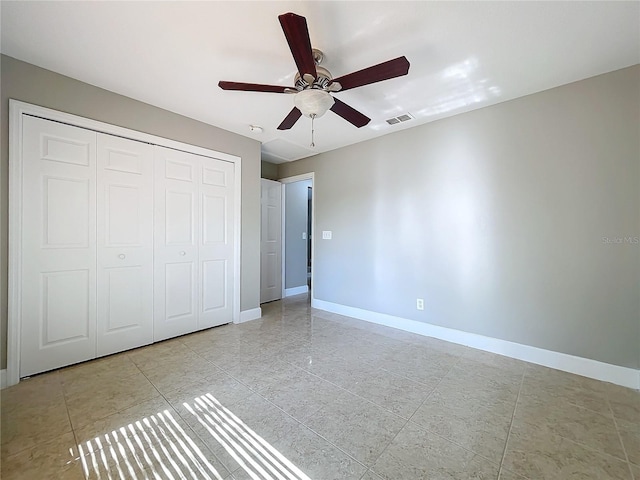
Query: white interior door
176, 289
193, 242
58, 246
125, 244
216, 243
120, 243
271, 241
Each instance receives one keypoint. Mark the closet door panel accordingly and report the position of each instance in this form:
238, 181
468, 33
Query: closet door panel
177, 212
58, 246
122, 243
216, 243
125, 244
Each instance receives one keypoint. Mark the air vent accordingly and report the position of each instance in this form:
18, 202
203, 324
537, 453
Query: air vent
400, 118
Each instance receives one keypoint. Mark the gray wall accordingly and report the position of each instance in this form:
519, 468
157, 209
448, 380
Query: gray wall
32, 84
296, 207
269, 170
498, 218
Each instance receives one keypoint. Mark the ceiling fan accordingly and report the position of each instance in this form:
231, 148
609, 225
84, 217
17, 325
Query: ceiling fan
315, 84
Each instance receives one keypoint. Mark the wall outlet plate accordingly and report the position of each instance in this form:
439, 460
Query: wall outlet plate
326, 234
420, 303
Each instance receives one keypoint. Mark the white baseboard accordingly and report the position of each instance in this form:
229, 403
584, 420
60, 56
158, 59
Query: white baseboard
3, 379
248, 315
627, 377
288, 292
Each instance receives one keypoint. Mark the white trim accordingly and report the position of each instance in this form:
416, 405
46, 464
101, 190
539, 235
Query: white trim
297, 178
83, 122
248, 315
14, 307
289, 292
3, 379
284, 181
627, 377
237, 233
283, 240
16, 111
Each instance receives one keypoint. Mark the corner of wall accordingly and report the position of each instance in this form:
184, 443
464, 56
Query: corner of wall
248, 315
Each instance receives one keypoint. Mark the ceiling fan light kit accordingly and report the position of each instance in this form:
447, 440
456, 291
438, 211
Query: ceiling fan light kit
313, 102
314, 84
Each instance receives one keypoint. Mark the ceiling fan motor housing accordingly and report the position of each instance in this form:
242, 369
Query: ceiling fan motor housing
321, 81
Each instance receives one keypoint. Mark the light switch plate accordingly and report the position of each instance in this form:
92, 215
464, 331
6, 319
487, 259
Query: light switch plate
304, 235
326, 234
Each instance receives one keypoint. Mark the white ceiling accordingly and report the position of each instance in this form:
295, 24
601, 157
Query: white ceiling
463, 55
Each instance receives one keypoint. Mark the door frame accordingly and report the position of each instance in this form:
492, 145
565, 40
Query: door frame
285, 181
17, 109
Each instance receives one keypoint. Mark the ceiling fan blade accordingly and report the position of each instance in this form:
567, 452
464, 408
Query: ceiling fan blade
290, 119
383, 71
350, 114
252, 87
297, 35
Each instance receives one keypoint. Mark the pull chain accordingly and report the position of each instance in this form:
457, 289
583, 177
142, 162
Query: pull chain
313, 116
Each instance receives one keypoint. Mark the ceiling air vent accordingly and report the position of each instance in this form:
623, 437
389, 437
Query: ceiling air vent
400, 118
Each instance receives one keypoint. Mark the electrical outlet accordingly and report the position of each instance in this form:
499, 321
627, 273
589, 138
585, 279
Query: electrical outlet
326, 234
420, 304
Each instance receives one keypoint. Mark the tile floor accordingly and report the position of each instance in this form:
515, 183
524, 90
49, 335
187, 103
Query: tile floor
304, 394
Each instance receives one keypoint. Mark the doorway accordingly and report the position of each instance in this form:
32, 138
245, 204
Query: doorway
297, 234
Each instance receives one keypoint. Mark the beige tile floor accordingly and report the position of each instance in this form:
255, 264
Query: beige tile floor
304, 394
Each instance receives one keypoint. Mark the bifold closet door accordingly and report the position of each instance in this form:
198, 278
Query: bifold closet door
175, 243
58, 271
193, 242
125, 244
215, 249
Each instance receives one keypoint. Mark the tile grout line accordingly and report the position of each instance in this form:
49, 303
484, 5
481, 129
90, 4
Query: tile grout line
513, 415
179, 415
367, 468
323, 380
574, 442
126, 355
624, 449
409, 419
590, 448
85, 474
449, 439
345, 390
255, 392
